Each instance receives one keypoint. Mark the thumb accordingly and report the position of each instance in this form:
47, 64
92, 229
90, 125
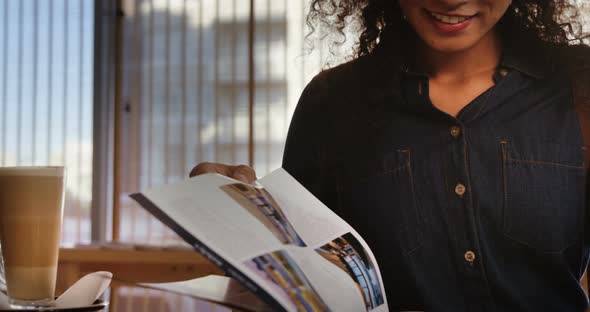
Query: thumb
243, 173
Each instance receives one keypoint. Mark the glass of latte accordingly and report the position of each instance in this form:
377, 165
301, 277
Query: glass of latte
31, 210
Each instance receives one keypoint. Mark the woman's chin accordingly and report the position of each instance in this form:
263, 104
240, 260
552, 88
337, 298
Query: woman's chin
447, 45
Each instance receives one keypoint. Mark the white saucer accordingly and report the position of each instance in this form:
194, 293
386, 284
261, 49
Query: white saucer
96, 306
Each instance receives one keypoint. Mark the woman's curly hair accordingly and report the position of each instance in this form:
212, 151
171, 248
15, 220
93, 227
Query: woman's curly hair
378, 22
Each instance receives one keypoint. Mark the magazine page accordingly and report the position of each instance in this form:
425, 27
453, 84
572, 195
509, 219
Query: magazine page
288, 248
217, 226
331, 238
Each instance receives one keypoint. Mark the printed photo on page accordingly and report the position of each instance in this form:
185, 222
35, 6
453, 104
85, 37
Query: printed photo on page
264, 208
287, 279
349, 255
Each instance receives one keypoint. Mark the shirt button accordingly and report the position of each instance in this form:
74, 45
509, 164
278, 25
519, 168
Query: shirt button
470, 256
455, 131
460, 189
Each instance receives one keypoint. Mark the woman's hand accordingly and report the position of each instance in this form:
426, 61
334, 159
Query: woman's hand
241, 172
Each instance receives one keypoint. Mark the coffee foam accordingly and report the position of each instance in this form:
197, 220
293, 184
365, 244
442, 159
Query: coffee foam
32, 171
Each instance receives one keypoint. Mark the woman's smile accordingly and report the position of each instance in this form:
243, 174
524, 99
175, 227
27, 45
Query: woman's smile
450, 23
450, 26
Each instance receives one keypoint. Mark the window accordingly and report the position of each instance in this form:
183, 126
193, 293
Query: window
46, 87
195, 83
187, 86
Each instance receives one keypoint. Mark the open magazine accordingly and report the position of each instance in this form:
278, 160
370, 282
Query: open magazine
276, 239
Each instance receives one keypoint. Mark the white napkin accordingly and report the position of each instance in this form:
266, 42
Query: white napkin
83, 293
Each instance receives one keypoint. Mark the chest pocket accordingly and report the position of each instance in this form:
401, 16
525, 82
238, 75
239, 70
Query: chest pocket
543, 188
378, 199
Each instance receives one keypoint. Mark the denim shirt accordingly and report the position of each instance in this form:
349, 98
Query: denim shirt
482, 212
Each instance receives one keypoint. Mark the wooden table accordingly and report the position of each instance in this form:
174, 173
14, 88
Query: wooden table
138, 264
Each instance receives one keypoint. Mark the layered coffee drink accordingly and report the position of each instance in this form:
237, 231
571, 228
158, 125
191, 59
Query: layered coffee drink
31, 209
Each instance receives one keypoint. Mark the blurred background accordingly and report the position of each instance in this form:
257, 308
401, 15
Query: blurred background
130, 94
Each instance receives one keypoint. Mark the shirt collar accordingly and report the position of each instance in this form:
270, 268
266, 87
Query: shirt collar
515, 56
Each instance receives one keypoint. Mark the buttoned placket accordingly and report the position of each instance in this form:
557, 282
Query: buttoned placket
467, 253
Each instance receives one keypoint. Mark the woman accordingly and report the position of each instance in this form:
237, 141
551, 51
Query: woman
452, 145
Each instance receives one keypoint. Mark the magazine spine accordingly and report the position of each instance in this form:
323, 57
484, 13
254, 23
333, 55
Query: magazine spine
207, 252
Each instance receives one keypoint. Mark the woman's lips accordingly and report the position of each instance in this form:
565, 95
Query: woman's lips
450, 24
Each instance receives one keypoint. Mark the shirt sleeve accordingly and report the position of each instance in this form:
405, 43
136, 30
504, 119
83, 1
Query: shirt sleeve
303, 157
580, 75
581, 93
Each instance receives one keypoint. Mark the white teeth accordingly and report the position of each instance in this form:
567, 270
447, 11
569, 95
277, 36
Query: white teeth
447, 19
